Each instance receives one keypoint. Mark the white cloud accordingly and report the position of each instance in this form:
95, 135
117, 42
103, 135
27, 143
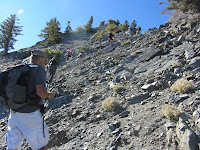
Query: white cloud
20, 11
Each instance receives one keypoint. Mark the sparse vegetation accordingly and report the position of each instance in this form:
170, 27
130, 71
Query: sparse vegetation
50, 53
110, 28
83, 49
117, 87
80, 29
126, 42
178, 64
99, 34
182, 85
170, 112
110, 104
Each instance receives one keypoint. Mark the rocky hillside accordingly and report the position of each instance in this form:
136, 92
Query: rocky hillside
137, 71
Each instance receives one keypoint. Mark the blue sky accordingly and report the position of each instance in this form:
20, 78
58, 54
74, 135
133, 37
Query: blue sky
34, 14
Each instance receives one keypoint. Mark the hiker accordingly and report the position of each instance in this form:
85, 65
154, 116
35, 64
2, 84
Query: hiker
110, 37
27, 121
69, 54
116, 31
138, 30
51, 68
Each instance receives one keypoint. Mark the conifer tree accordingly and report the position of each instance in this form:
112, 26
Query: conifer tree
68, 28
8, 32
133, 24
51, 32
126, 23
102, 23
88, 26
183, 5
117, 23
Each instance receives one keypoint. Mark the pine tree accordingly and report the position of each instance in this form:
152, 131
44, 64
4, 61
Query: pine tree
8, 32
88, 26
102, 24
51, 32
133, 24
183, 5
68, 28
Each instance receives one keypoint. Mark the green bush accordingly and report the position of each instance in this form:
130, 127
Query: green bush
83, 49
123, 27
80, 29
50, 53
126, 42
99, 34
110, 28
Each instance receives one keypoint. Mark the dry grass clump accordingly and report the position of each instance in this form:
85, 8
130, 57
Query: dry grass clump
170, 112
126, 42
182, 85
117, 87
110, 104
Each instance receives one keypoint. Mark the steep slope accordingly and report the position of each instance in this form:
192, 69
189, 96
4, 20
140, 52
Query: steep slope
146, 66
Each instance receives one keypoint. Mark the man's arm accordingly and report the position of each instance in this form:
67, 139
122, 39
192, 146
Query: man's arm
42, 92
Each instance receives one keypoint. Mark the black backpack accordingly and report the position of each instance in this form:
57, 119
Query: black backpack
13, 86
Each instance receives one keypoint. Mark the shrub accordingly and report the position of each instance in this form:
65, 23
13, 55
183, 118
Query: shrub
182, 85
170, 112
83, 49
117, 87
126, 42
99, 34
123, 27
50, 53
110, 104
110, 28
80, 29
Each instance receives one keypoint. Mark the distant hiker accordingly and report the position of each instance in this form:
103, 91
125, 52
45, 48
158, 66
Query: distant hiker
69, 54
110, 37
27, 121
138, 30
116, 31
51, 68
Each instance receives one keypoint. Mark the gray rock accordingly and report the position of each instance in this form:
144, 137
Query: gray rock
189, 54
188, 139
195, 62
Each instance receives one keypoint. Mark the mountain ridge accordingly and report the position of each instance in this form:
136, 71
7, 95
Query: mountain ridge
146, 66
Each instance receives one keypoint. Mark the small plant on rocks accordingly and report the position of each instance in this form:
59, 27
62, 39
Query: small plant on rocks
126, 42
182, 85
110, 104
170, 112
117, 87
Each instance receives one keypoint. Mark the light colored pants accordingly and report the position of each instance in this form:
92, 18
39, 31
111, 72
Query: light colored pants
28, 125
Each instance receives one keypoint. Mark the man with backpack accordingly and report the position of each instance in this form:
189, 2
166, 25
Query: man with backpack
27, 121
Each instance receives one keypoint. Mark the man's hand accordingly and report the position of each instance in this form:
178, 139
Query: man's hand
42, 92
